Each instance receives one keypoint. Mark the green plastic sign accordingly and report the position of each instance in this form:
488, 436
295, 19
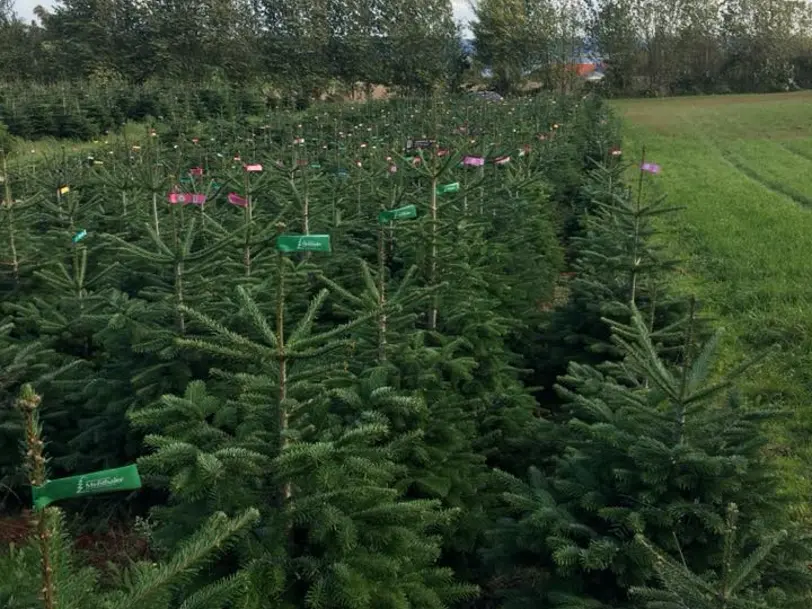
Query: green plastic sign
446, 188
303, 243
401, 213
105, 481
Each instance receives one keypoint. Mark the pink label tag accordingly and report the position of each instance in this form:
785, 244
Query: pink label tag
253, 168
473, 161
196, 171
237, 200
186, 198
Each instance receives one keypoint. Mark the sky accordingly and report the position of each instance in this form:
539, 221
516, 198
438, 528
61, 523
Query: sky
25, 8
462, 10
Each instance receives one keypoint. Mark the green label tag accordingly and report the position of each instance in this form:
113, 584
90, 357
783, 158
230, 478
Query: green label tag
446, 188
303, 243
401, 213
105, 481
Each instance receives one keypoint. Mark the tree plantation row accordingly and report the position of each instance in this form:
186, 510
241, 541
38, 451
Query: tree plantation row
408, 354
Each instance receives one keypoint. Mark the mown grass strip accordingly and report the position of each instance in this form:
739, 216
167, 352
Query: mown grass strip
746, 247
777, 185
801, 148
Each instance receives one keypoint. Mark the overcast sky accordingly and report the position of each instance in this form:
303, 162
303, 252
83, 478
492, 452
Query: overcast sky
25, 8
462, 10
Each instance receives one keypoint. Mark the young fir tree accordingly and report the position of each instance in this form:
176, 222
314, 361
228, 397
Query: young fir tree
76, 302
45, 573
511, 267
745, 579
479, 411
60, 303
655, 451
178, 267
22, 359
18, 242
439, 459
336, 529
71, 302
618, 261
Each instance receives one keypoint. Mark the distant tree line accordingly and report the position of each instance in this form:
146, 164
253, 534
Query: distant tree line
313, 47
295, 44
652, 47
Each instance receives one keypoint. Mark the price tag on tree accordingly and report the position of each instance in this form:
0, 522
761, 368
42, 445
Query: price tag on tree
105, 481
401, 213
303, 243
448, 188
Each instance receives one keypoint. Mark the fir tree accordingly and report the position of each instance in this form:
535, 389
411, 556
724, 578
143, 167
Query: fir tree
657, 452
618, 262
22, 359
740, 581
179, 264
58, 582
340, 522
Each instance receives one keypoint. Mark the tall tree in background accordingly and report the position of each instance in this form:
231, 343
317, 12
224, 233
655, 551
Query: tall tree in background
512, 37
760, 36
568, 44
699, 48
425, 43
80, 33
303, 48
16, 52
610, 24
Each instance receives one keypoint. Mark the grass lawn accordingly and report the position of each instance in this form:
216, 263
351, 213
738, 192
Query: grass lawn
741, 166
26, 152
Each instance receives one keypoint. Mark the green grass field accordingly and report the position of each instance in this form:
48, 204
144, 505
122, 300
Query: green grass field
741, 166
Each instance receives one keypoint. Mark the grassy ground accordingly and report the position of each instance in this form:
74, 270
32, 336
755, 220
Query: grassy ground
24, 152
742, 168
